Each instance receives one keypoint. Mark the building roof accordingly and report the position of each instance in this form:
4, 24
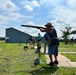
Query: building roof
18, 30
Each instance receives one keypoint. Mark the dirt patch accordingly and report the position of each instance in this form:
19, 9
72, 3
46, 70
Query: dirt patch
0, 49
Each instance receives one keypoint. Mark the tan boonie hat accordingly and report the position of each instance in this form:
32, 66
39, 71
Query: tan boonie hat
49, 25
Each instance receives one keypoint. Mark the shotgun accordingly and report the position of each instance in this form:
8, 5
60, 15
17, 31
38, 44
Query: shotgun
38, 27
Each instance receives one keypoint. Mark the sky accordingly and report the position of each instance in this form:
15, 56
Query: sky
14, 13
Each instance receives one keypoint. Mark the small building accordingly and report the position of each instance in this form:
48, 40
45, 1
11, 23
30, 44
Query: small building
15, 36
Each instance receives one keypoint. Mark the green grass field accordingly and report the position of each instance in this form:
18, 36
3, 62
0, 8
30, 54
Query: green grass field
14, 60
71, 56
67, 48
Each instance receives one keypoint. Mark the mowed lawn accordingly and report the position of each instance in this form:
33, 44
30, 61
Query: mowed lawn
67, 48
14, 60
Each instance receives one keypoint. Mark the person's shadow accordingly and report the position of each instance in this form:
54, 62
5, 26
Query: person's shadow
40, 71
44, 71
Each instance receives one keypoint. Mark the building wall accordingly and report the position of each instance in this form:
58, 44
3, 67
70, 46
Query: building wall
13, 35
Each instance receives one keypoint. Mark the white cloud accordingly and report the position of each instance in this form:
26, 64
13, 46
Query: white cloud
12, 17
28, 8
42, 1
60, 23
30, 23
60, 20
66, 10
52, 2
2, 32
8, 6
63, 12
35, 4
71, 3
3, 19
30, 5
16, 17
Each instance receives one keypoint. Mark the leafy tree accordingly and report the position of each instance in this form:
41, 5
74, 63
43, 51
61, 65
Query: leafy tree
66, 34
73, 32
2, 38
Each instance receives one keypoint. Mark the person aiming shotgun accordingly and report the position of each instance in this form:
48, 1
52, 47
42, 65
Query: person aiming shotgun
53, 41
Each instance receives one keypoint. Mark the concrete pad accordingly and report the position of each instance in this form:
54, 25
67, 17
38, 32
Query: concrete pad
63, 58
63, 61
65, 64
73, 64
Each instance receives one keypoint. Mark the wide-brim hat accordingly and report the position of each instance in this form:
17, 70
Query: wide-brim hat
49, 25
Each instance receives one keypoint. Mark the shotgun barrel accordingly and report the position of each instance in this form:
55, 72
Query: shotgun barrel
38, 27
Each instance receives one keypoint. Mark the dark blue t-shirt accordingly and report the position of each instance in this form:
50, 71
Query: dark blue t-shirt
52, 36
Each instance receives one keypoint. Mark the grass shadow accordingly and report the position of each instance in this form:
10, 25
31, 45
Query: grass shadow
44, 71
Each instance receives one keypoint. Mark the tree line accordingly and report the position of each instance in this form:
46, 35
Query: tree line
66, 32
2, 38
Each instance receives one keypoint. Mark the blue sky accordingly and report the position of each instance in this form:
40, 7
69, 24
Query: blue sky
60, 13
